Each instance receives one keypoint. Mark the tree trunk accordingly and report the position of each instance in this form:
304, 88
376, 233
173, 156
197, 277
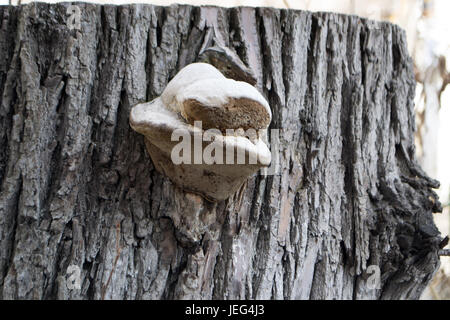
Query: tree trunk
81, 200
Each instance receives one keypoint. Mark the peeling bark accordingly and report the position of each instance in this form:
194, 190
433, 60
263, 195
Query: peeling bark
77, 187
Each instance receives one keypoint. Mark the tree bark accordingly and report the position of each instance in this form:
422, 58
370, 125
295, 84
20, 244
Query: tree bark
79, 191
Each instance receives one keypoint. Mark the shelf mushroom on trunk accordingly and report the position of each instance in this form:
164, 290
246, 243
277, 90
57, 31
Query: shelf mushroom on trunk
222, 124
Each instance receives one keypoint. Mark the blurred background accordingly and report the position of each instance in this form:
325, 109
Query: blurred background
427, 25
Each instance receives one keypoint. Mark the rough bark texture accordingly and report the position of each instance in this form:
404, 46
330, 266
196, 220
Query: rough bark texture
78, 187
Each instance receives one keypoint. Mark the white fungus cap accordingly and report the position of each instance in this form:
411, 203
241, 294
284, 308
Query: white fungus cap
200, 92
185, 77
214, 93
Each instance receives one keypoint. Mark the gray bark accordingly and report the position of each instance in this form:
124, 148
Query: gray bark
78, 187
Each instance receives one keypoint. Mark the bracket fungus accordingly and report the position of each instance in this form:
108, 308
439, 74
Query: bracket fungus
222, 124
